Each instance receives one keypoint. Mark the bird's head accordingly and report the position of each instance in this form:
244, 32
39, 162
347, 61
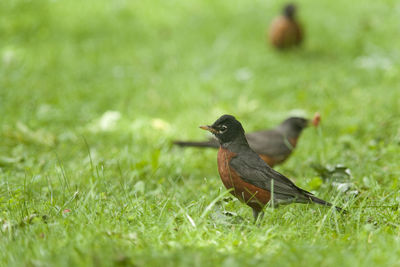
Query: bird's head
226, 129
289, 11
296, 123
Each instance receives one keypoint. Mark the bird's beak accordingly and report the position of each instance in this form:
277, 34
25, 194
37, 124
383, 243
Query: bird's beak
208, 128
316, 119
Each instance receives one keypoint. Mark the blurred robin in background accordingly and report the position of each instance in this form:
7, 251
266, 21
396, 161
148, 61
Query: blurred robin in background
285, 31
274, 146
247, 176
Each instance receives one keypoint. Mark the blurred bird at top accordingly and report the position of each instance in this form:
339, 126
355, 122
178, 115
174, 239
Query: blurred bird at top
285, 31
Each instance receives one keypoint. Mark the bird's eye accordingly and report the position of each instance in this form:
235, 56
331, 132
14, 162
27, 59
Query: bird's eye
223, 128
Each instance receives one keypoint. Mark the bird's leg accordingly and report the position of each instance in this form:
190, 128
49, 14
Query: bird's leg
255, 215
257, 212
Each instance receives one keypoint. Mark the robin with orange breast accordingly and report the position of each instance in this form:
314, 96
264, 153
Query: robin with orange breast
248, 177
285, 31
274, 146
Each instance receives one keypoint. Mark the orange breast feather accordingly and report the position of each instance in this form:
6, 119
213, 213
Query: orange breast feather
284, 33
250, 194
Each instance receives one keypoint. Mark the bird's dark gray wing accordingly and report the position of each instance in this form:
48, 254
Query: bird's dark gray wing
252, 169
270, 143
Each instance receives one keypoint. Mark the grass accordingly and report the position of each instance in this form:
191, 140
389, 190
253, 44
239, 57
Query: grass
93, 92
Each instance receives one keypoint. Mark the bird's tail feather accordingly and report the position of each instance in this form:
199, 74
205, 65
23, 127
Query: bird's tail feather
325, 203
196, 144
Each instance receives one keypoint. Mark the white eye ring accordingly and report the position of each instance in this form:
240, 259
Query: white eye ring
223, 128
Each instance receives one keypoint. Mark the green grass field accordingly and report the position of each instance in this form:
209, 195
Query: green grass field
92, 93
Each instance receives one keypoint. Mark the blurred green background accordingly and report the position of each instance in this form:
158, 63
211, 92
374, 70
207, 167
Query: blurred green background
93, 92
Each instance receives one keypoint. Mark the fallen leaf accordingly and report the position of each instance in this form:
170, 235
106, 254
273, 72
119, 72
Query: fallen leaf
334, 172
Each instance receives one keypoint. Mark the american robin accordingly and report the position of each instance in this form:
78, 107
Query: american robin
285, 31
274, 146
248, 177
